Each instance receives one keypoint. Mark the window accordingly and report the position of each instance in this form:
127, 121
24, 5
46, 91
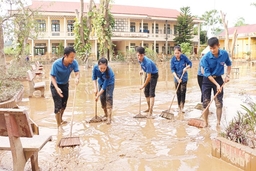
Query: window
41, 26
132, 46
71, 44
168, 29
70, 25
40, 49
175, 30
145, 45
55, 25
132, 27
55, 48
121, 25
157, 29
145, 28
168, 49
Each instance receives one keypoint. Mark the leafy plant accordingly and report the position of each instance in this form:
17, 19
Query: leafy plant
242, 128
186, 48
151, 54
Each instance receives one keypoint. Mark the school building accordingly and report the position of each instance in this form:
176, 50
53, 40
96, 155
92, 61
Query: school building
245, 46
153, 28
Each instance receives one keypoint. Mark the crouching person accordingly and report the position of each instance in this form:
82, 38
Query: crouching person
105, 77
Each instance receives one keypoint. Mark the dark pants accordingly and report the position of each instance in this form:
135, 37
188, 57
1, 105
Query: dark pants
200, 82
150, 88
106, 98
59, 102
181, 92
207, 88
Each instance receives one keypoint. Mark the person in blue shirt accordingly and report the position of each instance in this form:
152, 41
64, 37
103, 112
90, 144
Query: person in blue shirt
200, 76
213, 67
179, 65
149, 86
105, 87
60, 73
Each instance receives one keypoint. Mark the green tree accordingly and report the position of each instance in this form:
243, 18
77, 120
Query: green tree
103, 24
82, 30
21, 25
184, 26
212, 21
240, 22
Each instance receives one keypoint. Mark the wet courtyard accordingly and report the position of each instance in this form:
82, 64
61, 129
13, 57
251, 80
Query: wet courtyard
130, 144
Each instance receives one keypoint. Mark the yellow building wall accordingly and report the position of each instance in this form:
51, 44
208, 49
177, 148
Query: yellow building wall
242, 46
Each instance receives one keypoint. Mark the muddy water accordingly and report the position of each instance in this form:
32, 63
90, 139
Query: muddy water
134, 144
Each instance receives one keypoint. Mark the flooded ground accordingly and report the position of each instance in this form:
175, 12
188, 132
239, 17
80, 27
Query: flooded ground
130, 144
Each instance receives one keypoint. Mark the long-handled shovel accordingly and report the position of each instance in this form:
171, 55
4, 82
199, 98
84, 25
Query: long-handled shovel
96, 118
166, 113
70, 141
140, 115
197, 122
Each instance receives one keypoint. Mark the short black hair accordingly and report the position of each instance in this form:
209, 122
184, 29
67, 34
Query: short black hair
140, 50
213, 41
68, 50
177, 47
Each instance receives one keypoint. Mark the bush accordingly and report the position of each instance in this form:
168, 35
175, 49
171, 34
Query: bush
242, 128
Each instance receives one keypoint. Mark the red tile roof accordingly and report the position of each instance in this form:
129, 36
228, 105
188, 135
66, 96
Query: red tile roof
69, 7
240, 30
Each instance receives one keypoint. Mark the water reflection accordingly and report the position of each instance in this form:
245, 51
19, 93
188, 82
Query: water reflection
128, 143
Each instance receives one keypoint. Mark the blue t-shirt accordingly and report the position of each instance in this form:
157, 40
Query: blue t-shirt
199, 71
148, 66
214, 66
178, 66
62, 72
103, 81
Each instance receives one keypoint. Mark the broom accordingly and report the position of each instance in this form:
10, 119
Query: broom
70, 141
96, 118
197, 122
139, 115
166, 113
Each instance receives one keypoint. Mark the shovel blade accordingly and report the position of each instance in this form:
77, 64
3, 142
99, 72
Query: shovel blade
140, 116
95, 119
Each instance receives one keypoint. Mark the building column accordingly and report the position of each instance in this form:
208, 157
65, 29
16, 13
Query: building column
154, 36
198, 45
49, 47
65, 31
142, 43
49, 35
49, 26
166, 38
141, 26
129, 25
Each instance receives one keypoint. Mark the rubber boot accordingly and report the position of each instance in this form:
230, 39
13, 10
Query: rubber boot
148, 102
58, 118
150, 114
205, 116
109, 113
219, 113
104, 118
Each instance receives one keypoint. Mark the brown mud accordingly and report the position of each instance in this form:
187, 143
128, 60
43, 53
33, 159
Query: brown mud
130, 144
